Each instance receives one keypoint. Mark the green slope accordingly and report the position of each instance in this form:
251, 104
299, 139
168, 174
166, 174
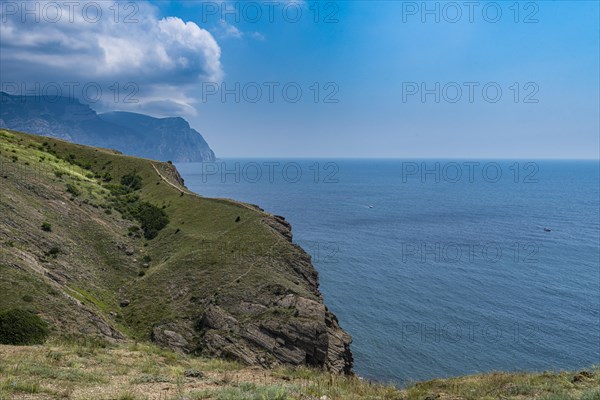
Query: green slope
214, 255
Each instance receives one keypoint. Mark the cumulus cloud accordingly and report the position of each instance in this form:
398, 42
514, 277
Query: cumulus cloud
105, 43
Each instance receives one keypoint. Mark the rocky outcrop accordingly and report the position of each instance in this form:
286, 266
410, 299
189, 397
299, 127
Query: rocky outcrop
174, 336
274, 326
297, 331
280, 225
311, 335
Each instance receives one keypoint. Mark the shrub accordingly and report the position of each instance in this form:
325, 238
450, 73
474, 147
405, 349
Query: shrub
22, 327
73, 189
152, 218
46, 227
54, 251
117, 190
132, 181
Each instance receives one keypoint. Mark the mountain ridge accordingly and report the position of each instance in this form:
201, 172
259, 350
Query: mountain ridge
164, 139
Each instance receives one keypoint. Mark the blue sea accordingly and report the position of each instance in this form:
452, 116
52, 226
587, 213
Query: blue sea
439, 268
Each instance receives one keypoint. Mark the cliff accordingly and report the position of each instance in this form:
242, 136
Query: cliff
104, 245
165, 139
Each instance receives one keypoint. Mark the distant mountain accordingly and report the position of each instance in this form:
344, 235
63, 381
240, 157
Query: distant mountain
165, 139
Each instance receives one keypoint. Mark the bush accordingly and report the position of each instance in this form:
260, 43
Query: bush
54, 251
22, 327
73, 190
46, 227
132, 181
152, 218
117, 190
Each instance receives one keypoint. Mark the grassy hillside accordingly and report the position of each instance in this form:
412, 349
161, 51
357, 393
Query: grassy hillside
114, 253
90, 370
221, 278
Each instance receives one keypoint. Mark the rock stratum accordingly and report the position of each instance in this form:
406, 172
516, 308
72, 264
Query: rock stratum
80, 247
165, 139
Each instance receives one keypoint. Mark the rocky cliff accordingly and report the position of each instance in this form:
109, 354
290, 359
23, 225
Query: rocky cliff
219, 278
165, 139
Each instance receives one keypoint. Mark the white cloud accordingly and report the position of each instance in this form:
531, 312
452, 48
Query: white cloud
158, 54
227, 30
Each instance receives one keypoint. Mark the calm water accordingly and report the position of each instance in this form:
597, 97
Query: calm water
441, 274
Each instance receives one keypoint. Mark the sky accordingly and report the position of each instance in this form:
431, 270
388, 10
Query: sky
299, 78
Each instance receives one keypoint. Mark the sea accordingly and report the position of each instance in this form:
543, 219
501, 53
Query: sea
441, 268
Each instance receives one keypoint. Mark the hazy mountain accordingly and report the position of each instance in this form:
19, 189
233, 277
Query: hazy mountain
133, 134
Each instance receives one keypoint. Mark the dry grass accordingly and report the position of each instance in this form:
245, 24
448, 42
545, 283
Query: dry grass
94, 370
139, 371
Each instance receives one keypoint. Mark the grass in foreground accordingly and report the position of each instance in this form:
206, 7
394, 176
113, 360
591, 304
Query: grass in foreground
94, 370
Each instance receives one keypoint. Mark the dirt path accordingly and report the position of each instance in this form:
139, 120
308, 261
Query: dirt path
189, 192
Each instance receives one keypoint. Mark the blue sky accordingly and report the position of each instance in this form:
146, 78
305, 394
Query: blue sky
374, 58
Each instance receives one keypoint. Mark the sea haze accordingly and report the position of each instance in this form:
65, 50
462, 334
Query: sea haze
472, 266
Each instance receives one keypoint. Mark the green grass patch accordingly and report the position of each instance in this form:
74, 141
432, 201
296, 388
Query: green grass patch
22, 327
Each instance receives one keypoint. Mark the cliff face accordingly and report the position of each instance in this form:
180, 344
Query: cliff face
135, 134
309, 334
163, 138
221, 279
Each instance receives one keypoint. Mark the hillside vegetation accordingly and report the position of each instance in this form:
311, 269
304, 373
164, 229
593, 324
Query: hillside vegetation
100, 244
145, 290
